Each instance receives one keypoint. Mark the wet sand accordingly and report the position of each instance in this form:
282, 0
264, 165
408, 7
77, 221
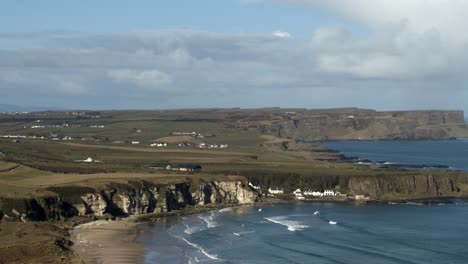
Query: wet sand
108, 242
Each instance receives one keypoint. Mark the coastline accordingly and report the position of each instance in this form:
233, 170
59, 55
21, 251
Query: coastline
106, 241
117, 241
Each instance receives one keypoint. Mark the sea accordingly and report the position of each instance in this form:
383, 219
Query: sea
452, 153
302, 233
410, 233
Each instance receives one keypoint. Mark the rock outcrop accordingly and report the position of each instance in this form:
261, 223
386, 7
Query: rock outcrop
135, 197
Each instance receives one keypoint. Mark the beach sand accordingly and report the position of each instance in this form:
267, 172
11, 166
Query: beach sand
108, 242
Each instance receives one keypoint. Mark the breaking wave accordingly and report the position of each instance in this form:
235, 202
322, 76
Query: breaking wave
201, 249
290, 224
209, 220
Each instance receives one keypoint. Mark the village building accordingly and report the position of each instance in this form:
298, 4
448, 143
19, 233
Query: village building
275, 191
298, 194
135, 142
320, 194
161, 166
255, 187
187, 167
158, 144
88, 160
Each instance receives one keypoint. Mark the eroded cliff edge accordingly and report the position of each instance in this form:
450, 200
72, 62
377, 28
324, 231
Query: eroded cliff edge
124, 199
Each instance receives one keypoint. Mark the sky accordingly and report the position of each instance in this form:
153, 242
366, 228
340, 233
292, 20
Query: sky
385, 55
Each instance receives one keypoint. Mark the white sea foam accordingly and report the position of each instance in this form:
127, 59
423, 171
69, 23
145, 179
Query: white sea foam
209, 220
190, 230
290, 224
243, 233
202, 250
225, 210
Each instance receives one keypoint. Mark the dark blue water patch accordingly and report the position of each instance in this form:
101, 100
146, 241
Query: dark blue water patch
453, 153
291, 233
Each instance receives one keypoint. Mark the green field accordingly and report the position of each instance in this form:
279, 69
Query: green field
33, 164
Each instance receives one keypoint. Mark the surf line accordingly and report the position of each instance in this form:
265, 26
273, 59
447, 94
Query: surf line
202, 250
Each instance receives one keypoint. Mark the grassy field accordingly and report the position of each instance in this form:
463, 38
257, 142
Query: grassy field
45, 163
31, 164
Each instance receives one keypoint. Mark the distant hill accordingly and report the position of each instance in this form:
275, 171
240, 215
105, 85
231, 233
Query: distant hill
17, 108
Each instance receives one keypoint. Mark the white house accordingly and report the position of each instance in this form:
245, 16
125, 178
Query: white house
313, 193
298, 194
88, 160
275, 191
255, 187
135, 142
329, 193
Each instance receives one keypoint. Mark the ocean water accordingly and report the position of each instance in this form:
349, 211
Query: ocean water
453, 153
292, 233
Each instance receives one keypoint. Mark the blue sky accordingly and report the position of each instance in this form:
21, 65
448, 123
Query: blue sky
224, 16
247, 53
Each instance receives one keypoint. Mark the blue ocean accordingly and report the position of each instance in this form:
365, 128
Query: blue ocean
303, 233
453, 153
326, 232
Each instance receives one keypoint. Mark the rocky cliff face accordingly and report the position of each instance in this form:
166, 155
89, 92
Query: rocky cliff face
425, 185
137, 197
361, 124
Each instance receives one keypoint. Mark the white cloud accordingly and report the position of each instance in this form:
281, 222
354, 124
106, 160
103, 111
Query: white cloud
281, 34
149, 79
184, 66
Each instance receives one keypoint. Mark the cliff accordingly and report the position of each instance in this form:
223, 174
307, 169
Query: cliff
422, 185
123, 199
348, 124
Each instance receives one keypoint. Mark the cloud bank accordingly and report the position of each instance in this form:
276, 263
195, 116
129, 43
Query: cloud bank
414, 56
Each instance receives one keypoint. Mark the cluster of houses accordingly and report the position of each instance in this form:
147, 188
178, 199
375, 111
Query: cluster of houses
53, 137
2, 154
177, 133
326, 193
193, 134
321, 194
158, 144
204, 145
178, 167
299, 195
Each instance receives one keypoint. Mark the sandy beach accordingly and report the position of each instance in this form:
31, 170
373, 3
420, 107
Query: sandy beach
108, 242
